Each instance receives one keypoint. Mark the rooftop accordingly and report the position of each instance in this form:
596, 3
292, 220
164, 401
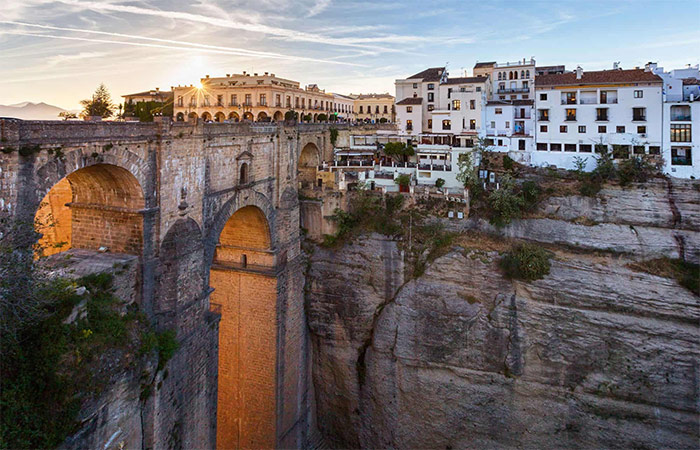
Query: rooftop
411, 101
484, 64
597, 77
464, 80
432, 74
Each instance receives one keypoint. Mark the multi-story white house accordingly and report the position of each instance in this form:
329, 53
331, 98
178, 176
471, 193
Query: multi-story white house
579, 113
681, 114
423, 88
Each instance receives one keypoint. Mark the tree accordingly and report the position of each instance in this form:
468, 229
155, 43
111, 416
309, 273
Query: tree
403, 180
99, 105
65, 115
506, 204
439, 183
399, 150
322, 117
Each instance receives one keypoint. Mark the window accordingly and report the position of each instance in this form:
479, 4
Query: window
543, 115
431, 96
569, 98
456, 104
415, 85
206, 100
446, 124
263, 99
243, 178
386, 109
408, 109
621, 151
601, 114
543, 97
570, 114
654, 150
542, 146
472, 124
543, 128
638, 94
431, 107
638, 149
527, 73
219, 100
278, 100
248, 99
507, 124
500, 75
431, 86
602, 129
409, 124
585, 148
562, 128
376, 109
555, 147
478, 89
234, 100
521, 144
472, 104
681, 156
569, 147
680, 113
639, 114
499, 111
680, 132
500, 142
493, 124
581, 128
430, 123
179, 100
289, 101
642, 129
620, 129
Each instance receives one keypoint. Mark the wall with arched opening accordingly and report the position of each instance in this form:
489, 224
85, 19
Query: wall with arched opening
309, 160
245, 292
96, 206
220, 117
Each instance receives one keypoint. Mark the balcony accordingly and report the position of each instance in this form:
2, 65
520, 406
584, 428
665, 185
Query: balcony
571, 118
680, 118
602, 118
513, 91
520, 115
639, 118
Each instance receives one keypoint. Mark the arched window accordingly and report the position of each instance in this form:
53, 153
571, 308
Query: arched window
244, 174
522, 74
510, 75
500, 76
527, 74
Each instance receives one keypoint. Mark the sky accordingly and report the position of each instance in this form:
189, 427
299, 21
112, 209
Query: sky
58, 51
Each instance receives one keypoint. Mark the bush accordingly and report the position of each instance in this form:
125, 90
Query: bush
508, 163
505, 203
532, 193
526, 262
439, 183
383, 120
685, 273
635, 169
403, 179
322, 117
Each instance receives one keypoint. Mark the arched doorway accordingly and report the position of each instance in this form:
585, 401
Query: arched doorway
219, 117
248, 116
234, 117
192, 116
206, 117
93, 207
243, 175
180, 117
279, 117
308, 165
245, 292
263, 117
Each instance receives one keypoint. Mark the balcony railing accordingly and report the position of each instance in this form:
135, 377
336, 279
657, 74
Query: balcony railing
353, 163
519, 115
602, 118
571, 118
513, 90
543, 118
639, 118
681, 118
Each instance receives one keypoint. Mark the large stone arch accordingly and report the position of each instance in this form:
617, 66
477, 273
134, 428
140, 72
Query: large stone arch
180, 275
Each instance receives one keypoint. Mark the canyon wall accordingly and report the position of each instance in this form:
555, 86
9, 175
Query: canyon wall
593, 355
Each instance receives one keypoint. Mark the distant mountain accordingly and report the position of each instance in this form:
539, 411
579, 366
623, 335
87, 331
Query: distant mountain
31, 111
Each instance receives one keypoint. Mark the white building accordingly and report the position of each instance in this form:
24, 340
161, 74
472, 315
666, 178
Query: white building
423, 88
620, 110
681, 110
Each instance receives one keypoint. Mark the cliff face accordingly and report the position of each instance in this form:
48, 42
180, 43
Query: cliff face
593, 355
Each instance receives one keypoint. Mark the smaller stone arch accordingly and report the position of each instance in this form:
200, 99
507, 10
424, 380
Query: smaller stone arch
206, 116
279, 117
219, 117
234, 116
263, 117
309, 159
180, 117
315, 117
243, 173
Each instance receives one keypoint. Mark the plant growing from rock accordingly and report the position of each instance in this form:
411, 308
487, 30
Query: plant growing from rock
525, 261
505, 203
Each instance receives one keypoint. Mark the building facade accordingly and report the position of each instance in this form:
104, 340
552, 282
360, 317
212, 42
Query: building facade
373, 108
582, 113
260, 98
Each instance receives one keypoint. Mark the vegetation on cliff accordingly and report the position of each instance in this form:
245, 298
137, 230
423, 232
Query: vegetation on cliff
525, 261
685, 273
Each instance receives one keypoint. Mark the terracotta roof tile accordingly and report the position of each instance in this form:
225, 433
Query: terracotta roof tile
601, 76
411, 101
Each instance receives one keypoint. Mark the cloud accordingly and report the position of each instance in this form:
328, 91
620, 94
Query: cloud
181, 45
318, 7
62, 59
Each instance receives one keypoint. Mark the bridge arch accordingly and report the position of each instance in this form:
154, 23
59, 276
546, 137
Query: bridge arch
244, 282
307, 165
96, 206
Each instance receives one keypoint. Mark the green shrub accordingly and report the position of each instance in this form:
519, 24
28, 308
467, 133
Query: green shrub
403, 179
532, 192
505, 203
687, 274
635, 169
526, 262
508, 163
439, 183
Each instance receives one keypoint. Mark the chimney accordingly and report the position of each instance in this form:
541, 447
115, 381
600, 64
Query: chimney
228, 75
579, 72
206, 76
157, 89
265, 73
616, 65
255, 74
244, 72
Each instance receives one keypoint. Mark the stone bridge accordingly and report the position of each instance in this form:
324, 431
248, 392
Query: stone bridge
212, 213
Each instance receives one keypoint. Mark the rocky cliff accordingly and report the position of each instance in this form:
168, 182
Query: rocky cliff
593, 355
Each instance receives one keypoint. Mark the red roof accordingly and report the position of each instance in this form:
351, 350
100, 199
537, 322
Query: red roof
432, 74
411, 101
598, 77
